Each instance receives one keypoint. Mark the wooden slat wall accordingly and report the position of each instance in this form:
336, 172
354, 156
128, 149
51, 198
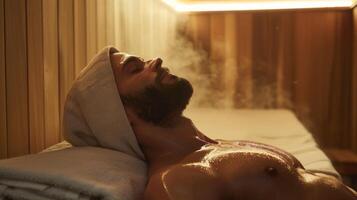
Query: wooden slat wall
3, 129
44, 44
280, 59
285, 59
37, 66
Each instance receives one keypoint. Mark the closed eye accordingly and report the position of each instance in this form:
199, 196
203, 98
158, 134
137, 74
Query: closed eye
136, 70
134, 66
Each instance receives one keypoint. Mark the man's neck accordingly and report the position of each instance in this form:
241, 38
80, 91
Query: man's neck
178, 140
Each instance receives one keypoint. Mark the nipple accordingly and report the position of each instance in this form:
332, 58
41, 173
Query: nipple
271, 171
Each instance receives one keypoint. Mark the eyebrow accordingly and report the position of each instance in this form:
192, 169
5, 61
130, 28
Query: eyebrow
128, 58
131, 58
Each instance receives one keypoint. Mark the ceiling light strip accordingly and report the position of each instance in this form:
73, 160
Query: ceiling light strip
272, 5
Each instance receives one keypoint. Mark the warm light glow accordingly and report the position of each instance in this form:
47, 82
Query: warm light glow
266, 5
354, 3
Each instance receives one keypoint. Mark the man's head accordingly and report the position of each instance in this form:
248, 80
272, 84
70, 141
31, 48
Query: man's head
149, 89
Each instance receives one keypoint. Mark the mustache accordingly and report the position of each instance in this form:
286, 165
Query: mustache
161, 74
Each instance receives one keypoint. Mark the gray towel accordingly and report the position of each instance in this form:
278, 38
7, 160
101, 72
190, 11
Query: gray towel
73, 174
94, 114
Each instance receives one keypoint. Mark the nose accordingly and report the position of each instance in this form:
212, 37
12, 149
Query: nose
155, 64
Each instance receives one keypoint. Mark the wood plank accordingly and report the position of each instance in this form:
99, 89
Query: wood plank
230, 64
131, 17
101, 24
148, 23
354, 86
217, 55
189, 28
244, 80
16, 77
265, 58
91, 26
66, 50
80, 36
3, 128
35, 76
110, 22
285, 63
160, 35
340, 81
118, 32
202, 32
173, 20
51, 81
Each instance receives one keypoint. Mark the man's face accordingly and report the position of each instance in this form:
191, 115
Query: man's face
148, 88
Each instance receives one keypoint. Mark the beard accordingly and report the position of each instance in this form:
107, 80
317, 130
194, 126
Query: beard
158, 102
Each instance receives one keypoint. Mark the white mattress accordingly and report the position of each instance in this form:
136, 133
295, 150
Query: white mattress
279, 128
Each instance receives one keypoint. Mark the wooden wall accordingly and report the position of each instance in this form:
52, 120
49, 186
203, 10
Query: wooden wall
44, 44
29, 76
289, 59
284, 59
42, 48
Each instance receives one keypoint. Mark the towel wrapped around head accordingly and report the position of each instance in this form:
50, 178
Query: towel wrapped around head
94, 114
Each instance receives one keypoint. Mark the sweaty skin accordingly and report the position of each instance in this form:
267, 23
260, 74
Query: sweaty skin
184, 164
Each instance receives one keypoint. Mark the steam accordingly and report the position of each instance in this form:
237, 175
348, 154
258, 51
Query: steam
219, 78
154, 30
186, 61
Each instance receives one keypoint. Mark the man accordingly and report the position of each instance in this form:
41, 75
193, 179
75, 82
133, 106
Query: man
185, 164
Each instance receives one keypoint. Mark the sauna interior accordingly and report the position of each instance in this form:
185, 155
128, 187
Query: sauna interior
263, 54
